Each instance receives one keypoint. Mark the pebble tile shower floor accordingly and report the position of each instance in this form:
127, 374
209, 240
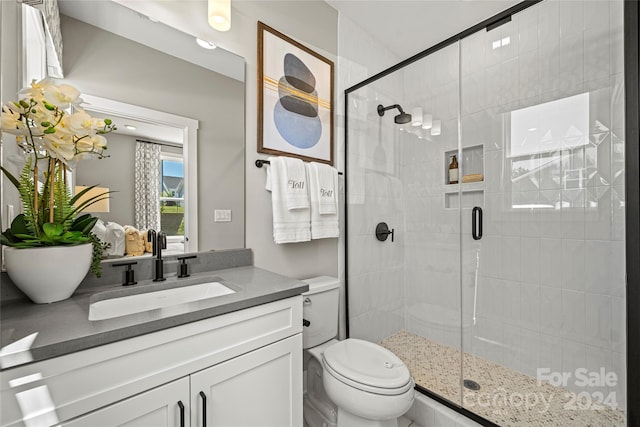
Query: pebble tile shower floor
436, 367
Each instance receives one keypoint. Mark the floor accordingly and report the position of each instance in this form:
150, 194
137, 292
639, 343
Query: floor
506, 397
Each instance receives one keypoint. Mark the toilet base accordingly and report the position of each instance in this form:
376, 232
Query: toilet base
347, 419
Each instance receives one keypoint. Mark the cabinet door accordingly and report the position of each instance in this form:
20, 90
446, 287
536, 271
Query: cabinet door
159, 407
261, 388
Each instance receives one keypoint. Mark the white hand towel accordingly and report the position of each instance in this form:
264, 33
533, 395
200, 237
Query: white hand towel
289, 225
327, 180
323, 226
295, 175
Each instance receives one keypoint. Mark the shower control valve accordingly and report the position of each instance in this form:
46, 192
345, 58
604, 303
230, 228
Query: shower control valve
383, 232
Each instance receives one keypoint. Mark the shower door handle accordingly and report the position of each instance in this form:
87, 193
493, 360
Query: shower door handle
476, 223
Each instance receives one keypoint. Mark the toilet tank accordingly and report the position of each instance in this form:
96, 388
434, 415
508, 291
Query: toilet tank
320, 308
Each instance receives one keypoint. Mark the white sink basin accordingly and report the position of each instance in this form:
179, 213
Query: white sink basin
130, 304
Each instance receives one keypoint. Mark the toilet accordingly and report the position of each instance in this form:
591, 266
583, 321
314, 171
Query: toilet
350, 383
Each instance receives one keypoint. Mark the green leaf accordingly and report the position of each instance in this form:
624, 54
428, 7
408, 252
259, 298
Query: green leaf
52, 230
12, 178
107, 122
84, 223
26, 236
8, 239
49, 131
18, 225
74, 238
24, 104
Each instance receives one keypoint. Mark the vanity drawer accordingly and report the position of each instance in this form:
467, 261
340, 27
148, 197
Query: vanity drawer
74, 384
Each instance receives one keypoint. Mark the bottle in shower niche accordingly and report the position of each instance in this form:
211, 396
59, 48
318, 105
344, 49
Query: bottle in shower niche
453, 170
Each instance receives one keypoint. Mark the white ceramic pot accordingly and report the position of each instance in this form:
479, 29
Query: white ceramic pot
48, 274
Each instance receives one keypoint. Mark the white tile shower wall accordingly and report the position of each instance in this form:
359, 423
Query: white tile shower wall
375, 191
554, 217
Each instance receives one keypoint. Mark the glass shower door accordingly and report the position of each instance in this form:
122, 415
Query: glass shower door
404, 292
543, 283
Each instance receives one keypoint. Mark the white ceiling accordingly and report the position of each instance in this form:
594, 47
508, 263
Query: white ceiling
407, 27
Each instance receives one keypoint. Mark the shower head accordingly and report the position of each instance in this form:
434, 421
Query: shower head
400, 119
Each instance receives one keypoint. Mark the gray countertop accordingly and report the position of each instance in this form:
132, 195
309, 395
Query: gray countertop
33, 332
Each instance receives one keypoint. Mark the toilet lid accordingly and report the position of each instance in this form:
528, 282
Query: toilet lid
367, 366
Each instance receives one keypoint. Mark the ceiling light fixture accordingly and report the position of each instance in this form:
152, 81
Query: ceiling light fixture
219, 14
205, 44
416, 116
436, 129
427, 121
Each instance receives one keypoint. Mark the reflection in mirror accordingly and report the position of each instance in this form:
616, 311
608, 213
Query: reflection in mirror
147, 172
113, 53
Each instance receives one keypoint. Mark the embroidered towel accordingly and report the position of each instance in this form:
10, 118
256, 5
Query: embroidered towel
289, 225
327, 180
297, 194
323, 226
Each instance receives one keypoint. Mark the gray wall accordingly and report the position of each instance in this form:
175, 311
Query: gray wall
314, 24
103, 64
115, 172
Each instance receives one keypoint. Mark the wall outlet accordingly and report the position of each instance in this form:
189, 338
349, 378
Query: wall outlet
222, 215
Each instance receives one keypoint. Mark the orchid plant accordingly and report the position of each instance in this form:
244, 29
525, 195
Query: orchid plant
54, 133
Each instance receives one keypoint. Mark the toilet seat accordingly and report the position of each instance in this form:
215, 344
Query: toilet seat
367, 367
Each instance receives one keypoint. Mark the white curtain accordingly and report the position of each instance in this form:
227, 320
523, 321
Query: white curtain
147, 186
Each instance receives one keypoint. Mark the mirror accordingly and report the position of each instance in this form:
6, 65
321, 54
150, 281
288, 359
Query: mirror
132, 63
174, 172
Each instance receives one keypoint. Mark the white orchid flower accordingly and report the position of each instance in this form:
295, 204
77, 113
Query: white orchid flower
62, 96
80, 123
11, 121
99, 143
59, 148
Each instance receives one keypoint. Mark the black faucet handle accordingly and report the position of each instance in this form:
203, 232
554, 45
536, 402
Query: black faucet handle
183, 269
129, 274
162, 240
151, 237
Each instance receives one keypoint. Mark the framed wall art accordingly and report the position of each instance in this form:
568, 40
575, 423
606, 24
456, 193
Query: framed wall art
295, 99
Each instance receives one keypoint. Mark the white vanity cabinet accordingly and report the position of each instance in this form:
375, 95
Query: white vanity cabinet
154, 408
238, 369
255, 389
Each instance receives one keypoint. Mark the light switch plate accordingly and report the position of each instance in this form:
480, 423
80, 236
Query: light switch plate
10, 214
222, 215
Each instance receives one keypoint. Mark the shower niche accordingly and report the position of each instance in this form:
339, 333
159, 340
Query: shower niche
471, 178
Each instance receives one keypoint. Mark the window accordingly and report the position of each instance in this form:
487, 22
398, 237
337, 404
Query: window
172, 194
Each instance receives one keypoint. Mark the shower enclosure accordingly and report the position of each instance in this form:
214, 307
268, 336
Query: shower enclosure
504, 293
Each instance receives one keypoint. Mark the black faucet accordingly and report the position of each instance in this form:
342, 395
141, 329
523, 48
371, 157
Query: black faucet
158, 243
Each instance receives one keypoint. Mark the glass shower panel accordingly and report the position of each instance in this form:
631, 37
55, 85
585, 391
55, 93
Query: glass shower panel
375, 268
404, 293
543, 286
